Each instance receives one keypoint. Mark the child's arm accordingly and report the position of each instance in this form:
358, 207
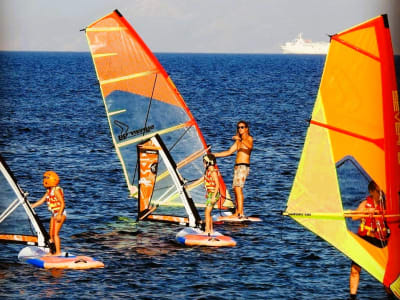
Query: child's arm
39, 202
196, 182
361, 208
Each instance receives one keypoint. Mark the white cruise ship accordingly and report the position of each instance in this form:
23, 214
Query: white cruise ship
301, 46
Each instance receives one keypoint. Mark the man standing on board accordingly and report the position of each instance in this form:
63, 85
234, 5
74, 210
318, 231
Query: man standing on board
243, 145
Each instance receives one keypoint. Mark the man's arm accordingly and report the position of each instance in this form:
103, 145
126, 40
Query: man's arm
362, 209
231, 150
248, 142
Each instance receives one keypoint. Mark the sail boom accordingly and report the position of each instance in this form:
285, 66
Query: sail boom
168, 219
16, 238
192, 157
339, 215
185, 161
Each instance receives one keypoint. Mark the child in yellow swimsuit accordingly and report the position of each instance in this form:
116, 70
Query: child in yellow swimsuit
213, 194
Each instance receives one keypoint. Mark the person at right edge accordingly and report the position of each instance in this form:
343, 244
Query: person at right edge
243, 145
372, 228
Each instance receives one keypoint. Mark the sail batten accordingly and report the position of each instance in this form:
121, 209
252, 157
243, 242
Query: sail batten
106, 29
127, 77
113, 113
352, 140
104, 55
377, 142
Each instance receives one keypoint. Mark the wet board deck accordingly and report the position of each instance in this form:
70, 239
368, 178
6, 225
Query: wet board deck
40, 258
227, 217
196, 237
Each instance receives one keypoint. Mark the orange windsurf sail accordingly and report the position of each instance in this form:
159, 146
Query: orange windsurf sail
353, 138
141, 100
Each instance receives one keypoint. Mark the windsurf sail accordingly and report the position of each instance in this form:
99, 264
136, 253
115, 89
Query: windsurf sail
353, 137
18, 221
162, 188
141, 100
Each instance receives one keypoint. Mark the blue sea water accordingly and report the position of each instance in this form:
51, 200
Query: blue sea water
52, 117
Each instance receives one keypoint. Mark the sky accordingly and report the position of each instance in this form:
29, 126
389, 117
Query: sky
205, 26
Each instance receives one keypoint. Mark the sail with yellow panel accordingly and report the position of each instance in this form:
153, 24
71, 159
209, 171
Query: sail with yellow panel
353, 138
141, 101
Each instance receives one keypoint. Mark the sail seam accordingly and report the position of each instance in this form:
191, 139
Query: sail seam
356, 48
377, 142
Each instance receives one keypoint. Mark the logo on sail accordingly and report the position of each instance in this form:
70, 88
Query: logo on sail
126, 133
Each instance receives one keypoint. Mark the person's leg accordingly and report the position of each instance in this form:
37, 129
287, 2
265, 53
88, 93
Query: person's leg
239, 201
209, 225
51, 229
354, 278
57, 227
241, 173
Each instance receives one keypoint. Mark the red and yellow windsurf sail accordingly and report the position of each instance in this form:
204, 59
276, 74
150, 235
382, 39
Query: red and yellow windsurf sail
353, 137
141, 100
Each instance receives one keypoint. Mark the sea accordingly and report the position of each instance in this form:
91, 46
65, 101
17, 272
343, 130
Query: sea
52, 118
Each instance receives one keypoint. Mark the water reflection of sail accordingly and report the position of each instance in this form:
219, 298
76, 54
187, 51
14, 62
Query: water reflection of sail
353, 138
